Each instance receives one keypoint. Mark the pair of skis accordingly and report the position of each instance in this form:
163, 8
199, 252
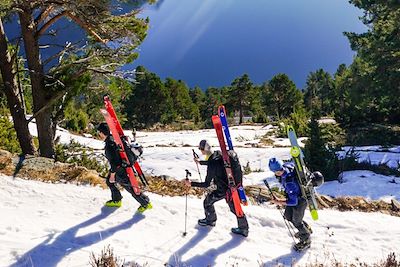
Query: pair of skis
307, 189
221, 127
118, 134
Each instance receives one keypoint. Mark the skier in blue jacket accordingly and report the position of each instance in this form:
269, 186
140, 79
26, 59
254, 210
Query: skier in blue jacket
294, 202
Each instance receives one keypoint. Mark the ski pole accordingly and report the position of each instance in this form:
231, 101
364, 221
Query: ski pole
197, 164
283, 216
188, 174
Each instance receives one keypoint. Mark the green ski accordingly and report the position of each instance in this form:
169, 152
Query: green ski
303, 176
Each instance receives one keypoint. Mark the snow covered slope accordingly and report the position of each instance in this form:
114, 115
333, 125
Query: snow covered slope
61, 224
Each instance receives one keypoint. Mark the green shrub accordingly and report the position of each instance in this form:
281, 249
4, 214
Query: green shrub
373, 134
298, 119
80, 155
75, 119
8, 140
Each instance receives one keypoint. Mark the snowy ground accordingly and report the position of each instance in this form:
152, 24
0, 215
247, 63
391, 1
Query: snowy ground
61, 224
170, 153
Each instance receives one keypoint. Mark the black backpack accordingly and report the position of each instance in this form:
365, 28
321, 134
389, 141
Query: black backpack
129, 153
236, 167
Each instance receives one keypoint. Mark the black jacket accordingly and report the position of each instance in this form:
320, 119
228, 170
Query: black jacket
215, 171
112, 154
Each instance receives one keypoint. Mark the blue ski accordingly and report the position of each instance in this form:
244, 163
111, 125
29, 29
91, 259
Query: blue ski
224, 122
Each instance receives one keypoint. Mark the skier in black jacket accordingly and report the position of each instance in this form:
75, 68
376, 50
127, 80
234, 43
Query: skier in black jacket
118, 173
216, 173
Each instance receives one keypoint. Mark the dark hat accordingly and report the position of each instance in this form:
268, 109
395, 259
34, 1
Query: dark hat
204, 145
103, 128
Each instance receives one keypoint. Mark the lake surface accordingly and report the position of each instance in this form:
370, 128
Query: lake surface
211, 42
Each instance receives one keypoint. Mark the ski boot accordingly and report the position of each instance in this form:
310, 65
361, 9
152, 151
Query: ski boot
302, 245
240, 231
142, 209
113, 204
297, 235
204, 222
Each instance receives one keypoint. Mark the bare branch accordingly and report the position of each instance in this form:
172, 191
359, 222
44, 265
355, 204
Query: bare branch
86, 27
50, 22
45, 13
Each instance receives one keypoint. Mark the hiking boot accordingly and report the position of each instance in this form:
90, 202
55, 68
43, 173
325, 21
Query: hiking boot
240, 231
302, 245
142, 209
113, 203
204, 222
297, 235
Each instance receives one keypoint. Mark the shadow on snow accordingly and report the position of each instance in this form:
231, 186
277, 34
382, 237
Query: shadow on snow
49, 253
208, 257
289, 259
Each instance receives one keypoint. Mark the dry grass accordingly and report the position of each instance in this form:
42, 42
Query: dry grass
390, 261
108, 259
261, 194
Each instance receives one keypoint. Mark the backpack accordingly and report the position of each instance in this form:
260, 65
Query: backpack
236, 167
129, 150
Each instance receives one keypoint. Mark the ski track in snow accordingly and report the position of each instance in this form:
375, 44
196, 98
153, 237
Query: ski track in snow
61, 224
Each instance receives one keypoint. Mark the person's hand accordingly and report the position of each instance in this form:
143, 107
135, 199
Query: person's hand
278, 202
187, 182
112, 178
197, 160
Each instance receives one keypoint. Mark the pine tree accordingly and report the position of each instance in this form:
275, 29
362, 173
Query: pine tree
239, 95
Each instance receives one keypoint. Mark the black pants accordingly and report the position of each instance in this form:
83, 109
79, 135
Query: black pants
209, 209
295, 215
123, 180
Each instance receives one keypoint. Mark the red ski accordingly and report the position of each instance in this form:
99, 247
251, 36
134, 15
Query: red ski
129, 171
231, 181
120, 131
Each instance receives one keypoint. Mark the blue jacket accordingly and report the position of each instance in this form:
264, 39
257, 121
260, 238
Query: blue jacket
290, 185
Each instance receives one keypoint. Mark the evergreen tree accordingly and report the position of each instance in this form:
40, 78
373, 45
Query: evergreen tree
320, 91
150, 102
317, 156
182, 102
239, 95
213, 98
280, 96
198, 98
113, 37
378, 53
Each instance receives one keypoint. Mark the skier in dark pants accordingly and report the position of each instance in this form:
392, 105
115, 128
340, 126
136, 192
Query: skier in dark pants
118, 173
216, 173
295, 203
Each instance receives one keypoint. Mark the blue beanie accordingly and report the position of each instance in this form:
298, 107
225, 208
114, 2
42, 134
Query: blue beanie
275, 164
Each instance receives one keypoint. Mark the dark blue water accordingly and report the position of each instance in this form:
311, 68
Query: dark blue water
211, 42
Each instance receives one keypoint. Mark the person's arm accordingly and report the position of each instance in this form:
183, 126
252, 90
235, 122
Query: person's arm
113, 158
210, 175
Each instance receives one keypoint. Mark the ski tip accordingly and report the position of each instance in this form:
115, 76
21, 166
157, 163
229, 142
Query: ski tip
295, 151
221, 111
289, 128
215, 119
314, 214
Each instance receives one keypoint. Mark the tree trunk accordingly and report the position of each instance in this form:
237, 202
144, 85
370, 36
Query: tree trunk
39, 94
240, 114
14, 103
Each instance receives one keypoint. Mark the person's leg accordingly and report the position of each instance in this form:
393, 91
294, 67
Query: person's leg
141, 198
209, 210
297, 220
115, 195
242, 221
